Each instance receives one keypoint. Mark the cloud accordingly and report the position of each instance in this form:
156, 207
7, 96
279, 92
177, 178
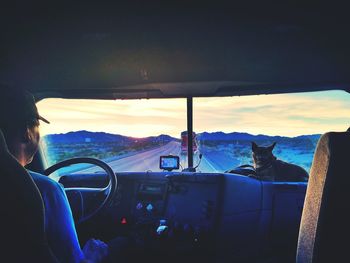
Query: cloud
138, 118
283, 114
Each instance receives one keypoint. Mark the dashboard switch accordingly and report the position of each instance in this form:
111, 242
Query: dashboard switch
149, 207
139, 206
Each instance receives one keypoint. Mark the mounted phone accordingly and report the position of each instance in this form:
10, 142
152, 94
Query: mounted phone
169, 162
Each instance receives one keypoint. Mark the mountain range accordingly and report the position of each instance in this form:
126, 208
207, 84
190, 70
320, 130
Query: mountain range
79, 137
238, 136
83, 136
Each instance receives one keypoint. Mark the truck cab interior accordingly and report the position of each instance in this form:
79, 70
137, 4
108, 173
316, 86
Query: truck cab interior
123, 85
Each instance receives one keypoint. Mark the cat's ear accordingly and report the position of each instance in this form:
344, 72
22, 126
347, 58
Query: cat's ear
254, 146
272, 146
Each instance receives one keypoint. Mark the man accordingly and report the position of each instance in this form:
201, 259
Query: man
19, 122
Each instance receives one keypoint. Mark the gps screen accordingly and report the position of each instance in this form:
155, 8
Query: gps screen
169, 162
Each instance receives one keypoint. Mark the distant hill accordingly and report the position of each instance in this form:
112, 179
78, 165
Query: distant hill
233, 136
237, 136
83, 136
312, 136
102, 137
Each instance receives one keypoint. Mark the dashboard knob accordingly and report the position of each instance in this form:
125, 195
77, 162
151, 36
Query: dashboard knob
162, 222
161, 230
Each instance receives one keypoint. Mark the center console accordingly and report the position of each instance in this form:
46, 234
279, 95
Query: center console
180, 204
177, 215
150, 201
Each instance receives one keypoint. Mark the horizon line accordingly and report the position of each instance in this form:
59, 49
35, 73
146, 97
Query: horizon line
260, 134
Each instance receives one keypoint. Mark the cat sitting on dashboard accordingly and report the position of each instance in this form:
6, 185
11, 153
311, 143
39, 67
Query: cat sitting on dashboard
269, 168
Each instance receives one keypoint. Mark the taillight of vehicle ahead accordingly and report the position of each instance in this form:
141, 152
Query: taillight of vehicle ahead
184, 141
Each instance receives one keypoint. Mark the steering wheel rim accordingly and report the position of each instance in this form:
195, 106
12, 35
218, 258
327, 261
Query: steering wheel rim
111, 188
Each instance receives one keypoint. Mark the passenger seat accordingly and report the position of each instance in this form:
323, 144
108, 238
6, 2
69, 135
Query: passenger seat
325, 224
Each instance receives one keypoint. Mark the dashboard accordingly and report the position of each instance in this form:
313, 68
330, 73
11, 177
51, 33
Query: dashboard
204, 216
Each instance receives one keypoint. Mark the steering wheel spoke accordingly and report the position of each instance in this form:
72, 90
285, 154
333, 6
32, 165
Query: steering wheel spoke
89, 195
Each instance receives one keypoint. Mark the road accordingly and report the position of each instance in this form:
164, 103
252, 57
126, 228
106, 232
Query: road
149, 160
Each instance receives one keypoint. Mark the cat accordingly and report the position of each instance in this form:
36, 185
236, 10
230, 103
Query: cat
269, 168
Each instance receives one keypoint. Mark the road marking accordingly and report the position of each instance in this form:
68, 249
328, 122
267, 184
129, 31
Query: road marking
209, 163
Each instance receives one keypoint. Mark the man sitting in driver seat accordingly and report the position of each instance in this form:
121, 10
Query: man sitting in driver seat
19, 121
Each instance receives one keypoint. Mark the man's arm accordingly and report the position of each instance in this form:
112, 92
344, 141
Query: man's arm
60, 230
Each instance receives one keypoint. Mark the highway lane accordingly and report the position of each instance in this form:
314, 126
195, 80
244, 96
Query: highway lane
143, 161
149, 161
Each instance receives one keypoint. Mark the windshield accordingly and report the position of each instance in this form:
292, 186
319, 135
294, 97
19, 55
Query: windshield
131, 135
226, 127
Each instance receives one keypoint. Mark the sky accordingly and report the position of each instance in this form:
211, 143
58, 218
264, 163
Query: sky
282, 114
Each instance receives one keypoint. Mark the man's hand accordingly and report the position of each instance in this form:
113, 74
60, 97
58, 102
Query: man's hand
95, 250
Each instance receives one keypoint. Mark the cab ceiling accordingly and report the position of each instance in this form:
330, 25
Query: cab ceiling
152, 50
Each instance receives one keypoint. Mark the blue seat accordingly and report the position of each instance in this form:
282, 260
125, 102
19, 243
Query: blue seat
22, 214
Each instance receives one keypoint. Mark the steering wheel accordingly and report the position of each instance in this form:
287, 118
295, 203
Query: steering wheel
84, 192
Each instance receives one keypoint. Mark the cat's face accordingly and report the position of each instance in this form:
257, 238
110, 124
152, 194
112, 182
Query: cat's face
262, 155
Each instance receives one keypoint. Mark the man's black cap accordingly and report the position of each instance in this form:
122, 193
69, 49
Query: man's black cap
18, 106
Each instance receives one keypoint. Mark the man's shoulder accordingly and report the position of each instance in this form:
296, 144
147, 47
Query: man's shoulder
44, 182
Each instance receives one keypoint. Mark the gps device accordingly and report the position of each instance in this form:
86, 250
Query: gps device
169, 162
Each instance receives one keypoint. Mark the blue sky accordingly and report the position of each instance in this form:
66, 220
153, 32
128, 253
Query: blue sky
280, 114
